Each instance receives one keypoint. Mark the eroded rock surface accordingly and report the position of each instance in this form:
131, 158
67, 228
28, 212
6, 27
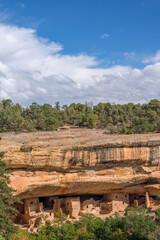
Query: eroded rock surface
81, 161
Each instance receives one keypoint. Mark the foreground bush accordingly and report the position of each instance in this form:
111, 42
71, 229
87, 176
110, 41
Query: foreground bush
21, 235
136, 225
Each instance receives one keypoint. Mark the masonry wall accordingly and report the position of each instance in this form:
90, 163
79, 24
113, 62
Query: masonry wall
120, 201
75, 204
32, 204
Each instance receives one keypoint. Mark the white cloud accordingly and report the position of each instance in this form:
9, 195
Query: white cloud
129, 55
35, 69
156, 58
105, 35
153, 59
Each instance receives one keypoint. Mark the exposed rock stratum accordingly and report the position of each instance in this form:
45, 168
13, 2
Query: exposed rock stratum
81, 161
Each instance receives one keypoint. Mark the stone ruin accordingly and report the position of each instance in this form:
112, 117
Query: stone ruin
78, 162
73, 207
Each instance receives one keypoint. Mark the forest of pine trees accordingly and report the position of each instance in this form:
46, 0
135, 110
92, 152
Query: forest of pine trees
113, 118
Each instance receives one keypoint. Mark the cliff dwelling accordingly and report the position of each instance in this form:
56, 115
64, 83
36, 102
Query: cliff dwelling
74, 206
80, 171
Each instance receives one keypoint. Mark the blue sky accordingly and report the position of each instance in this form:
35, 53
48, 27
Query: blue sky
132, 26
93, 50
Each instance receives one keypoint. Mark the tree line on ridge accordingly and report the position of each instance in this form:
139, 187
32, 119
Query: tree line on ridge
128, 118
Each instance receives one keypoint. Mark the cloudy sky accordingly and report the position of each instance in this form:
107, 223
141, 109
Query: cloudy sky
78, 51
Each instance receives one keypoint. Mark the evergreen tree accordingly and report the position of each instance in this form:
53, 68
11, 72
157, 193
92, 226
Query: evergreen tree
6, 202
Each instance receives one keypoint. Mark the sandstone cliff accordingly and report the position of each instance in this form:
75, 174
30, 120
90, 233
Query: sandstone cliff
81, 161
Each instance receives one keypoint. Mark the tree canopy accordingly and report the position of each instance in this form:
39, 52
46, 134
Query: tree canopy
113, 118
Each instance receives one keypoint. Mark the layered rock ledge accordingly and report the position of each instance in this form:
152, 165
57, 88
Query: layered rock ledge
81, 161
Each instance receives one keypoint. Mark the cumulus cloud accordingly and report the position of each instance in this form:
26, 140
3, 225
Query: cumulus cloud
34, 69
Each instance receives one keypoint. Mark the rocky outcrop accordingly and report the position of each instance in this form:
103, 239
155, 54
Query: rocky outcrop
81, 161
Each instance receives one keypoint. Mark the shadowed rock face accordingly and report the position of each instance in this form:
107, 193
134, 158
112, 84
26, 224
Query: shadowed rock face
81, 161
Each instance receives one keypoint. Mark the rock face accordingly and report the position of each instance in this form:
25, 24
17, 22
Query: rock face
81, 161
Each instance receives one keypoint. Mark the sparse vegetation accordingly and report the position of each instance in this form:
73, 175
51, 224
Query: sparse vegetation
74, 161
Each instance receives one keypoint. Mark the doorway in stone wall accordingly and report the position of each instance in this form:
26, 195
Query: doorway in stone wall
52, 203
45, 201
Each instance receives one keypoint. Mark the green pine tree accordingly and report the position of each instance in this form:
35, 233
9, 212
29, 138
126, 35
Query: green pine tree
7, 228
